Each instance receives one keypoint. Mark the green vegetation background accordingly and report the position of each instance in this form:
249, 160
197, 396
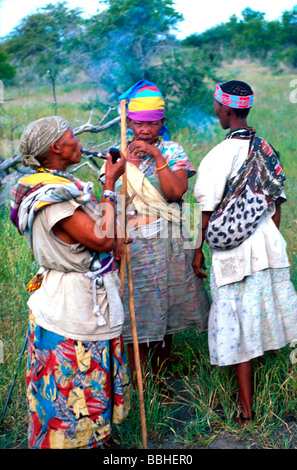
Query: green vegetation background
204, 397
211, 391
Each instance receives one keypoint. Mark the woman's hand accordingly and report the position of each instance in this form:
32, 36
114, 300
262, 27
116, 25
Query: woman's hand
198, 260
139, 148
80, 228
199, 263
173, 184
113, 171
119, 250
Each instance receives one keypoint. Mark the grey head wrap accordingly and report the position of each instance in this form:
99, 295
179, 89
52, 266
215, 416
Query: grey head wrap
38, 137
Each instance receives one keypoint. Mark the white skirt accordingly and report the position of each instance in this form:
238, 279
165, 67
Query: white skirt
249, 317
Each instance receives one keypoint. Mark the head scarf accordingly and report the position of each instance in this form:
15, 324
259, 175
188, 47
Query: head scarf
38, 137
145, 102
233, 101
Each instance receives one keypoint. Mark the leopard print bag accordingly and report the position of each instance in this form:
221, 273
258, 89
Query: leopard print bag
258, 183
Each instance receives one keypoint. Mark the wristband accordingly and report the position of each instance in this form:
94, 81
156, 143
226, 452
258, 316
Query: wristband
109, 195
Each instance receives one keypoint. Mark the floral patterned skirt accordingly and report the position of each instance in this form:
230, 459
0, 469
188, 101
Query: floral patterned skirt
75, 389
249, 317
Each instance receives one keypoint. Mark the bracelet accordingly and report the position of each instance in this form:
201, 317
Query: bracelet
161, 167
109, 195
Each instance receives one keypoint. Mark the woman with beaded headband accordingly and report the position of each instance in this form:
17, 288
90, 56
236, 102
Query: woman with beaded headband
77, 375
239, 188
168, 296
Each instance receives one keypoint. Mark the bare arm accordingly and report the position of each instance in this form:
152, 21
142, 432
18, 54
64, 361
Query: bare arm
173, 184
198, 261
277, 215
80, 228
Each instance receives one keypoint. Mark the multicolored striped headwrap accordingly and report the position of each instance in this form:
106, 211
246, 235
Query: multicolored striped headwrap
145, 102
233, 101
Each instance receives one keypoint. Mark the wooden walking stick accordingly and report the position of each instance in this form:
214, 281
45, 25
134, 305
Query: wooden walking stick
126, 260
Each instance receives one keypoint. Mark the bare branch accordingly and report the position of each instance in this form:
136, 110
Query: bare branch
74, 170
106, 115
88, 127
52, 78
94, 146
12, 161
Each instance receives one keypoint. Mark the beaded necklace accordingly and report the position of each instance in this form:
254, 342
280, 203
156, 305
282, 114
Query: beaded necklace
62, 174
244, 132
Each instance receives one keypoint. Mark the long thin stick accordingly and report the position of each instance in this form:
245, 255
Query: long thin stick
14, 379
126, 259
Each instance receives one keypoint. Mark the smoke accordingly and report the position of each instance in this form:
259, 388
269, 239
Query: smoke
198, 120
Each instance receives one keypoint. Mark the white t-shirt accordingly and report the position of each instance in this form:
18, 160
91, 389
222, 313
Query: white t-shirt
265, 248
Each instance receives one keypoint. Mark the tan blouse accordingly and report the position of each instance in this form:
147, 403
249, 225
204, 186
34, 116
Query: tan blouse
64, 303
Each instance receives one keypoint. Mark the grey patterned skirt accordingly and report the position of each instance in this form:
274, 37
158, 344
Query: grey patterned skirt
168, 296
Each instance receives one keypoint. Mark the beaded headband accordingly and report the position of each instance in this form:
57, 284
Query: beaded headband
233, 101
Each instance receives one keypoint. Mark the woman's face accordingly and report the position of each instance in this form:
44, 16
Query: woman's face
147, 131
70, 148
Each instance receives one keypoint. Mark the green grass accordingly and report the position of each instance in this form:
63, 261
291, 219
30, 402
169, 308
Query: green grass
205, 398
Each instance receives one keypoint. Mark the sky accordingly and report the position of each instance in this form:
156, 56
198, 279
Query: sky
198, 15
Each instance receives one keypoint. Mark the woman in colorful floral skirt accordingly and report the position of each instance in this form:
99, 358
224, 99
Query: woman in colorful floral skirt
77, 376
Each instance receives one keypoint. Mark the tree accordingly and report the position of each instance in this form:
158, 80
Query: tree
213, 41
125, 37
252, 34
251, 37
181, 75
288, 54
7, 71
46, 39
128, 41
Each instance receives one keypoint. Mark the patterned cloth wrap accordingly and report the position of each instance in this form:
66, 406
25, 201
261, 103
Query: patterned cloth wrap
145, 102
44, 187
258, 183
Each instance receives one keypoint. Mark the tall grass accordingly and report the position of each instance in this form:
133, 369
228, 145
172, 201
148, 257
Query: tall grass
17, 267
204, 398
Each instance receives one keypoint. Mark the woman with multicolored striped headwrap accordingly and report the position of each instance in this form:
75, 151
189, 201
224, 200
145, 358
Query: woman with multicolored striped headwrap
168, 296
